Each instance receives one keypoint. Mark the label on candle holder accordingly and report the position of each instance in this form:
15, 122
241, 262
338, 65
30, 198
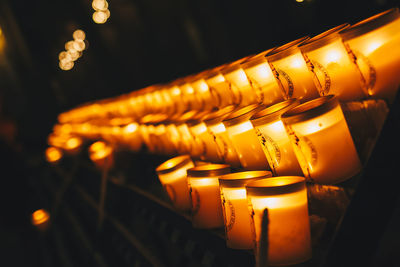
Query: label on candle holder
259, 91
322, 74
231, 222
366, 66
171, 192
286, 83
195, 200
270, 146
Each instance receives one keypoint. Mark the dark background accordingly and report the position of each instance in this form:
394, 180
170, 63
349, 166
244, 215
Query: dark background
144, 42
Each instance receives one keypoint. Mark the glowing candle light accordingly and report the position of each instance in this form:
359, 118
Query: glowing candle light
221, 141
100, 17
53, 154
285, 197
335, 73
203, 91
40, 219
79, 35
322, 141
220, 88
263, 80
244, 138
173, 177
234, 202
239, 83
274, 139
205, 195
374, 45
101, 155
291, 71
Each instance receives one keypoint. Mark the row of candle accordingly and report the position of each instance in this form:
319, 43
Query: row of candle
351, 62
218, 198
288, 138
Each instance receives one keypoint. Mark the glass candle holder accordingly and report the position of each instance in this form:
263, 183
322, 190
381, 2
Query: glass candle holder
335, 73
239, 83
220, 88
244, 139
291, 71
173, 177
189, 96
101, 155
131, 136
204, 141
322, 141
263, 80
373, 44
288, 236
274, 139
180, 106
237, 218
216, 128
173, 135
205, 195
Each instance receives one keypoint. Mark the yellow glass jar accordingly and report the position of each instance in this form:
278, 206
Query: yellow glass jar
288, 236
291, 71
237, 218
322, 141
274, 139
173, 177
244, 139
205, 195
374, 45
335, 72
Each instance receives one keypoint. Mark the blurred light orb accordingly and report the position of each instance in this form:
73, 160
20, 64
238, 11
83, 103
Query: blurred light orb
66, 65
69, 45
99, 17
99, 5
79, 45
79, 35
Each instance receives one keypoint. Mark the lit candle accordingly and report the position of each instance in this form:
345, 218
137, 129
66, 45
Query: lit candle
288, 238
335, 73
203, 90
244, 139
274, 139
173, 177
239, 83
131, 136
291, 71
263, 80
102, 155
237, 219
40, 219
322, 141
374, 44
53, 154
205, 195
220, 88
204, 141
221, 141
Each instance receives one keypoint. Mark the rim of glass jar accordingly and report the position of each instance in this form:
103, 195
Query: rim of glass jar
208, 170
286, 49
184, 117
219, 115
323, 38
241, 114
230, 67
276, 186
256, 59
274, 112
370, 24
173, 164
310, 109
240, 179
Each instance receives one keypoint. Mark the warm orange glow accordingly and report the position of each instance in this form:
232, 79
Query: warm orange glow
79, 35
100, 5
73, 143
66, 65
97, 146
53, 154
40, 216
333, 56
99, 17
